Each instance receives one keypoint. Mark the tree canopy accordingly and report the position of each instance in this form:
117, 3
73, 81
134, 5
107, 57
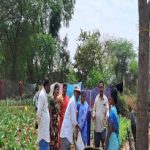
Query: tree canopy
97, 59
29, 30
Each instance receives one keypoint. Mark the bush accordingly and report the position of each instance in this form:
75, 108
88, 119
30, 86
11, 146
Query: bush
130, 102
124, 126
123, 106
126, 103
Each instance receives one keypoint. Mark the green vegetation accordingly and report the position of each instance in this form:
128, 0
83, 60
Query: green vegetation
109, 59
124, 125
29, 33
17, 126
123, 107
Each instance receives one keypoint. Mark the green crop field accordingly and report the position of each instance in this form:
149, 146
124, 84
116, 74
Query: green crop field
17, 126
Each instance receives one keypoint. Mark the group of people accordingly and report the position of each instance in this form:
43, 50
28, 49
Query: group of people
59, 117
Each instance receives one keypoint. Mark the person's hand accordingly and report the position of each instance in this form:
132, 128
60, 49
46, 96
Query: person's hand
77, 129
104, 147
93, 115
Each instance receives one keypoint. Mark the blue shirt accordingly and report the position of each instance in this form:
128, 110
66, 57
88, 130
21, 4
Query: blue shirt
83, 110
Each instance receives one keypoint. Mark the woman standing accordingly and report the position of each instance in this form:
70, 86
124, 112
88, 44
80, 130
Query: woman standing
54, 112
83, 110
63, 104
112, 140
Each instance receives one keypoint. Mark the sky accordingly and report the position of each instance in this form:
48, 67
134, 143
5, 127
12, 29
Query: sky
117, 18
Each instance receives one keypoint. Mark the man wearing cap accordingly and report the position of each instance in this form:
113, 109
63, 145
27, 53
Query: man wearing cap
70, 121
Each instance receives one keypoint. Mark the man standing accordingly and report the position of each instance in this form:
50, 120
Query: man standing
43, 117
70, 121
100, 115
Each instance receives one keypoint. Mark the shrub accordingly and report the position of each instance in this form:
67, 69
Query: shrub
124, 126
123, 106
126, 103
130, 101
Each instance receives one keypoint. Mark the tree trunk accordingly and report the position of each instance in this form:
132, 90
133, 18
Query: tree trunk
143, 77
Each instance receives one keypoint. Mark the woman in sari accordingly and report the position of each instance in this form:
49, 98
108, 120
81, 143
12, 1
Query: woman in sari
63, 103
54, 112
63, 100
112, 139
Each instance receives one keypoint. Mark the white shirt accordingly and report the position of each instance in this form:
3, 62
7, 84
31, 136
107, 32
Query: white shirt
70, 120
101, 111
43, 117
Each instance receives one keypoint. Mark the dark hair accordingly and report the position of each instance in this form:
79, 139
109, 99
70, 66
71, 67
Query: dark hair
55, 87
114, 95
101, 81
83, 92
45, 82
64, 85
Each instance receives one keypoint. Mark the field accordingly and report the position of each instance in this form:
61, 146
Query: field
17, 126
17, 121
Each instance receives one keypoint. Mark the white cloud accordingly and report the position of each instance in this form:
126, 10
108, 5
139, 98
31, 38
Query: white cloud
112, 17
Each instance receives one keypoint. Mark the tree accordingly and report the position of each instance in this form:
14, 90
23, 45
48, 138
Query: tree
72, 76
89, 54
62, 61
108, 59
143, 77
133, 67
121, 53
44, 48
95, 76
55, 12
15, 29
21, 20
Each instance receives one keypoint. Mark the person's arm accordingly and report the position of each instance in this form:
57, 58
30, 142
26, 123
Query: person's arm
73, 111
34, 99
41, 102
94, 110
107, 109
